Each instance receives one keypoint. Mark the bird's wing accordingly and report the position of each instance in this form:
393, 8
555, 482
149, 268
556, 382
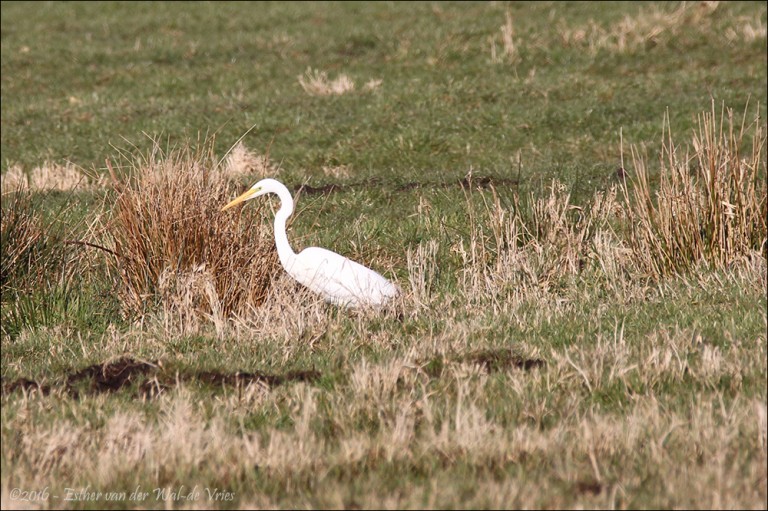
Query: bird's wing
340, 279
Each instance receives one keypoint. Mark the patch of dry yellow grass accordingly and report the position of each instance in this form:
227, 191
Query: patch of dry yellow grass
711, 204
241, 161
337, 171
48, 176
645, 28
317, 83
509, 51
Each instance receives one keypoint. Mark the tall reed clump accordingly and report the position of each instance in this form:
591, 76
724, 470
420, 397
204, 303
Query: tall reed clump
538, 246
22, 242
710, 203
32, 249
174, 248
36, 265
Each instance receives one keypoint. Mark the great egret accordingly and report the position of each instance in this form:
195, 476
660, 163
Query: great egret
339, 280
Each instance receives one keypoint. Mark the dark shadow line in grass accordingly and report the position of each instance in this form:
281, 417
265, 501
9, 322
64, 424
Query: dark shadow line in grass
465, 182
491, 360
25, 385
113, 376
244, 378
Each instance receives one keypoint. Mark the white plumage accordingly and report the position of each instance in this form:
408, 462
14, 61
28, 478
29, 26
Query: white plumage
338, 279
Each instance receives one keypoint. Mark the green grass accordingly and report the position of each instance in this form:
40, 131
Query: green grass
542, 370
82, 80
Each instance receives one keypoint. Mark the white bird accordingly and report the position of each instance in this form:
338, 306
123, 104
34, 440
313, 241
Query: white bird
338, 279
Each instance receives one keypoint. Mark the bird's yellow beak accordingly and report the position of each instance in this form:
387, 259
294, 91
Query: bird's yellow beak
247, 195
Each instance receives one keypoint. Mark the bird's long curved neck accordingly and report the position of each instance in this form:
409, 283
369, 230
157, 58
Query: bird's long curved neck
284, 250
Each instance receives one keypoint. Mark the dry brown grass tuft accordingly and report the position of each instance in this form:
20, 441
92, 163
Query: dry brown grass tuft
644, 29
316, 83
21, 232
48, 176
175, 246
533, 250
746, 29
509, 47
33, 252
372, 84
241, 161
337, 171
711, 203
14, 179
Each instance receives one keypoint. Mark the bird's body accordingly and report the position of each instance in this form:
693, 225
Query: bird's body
338, 279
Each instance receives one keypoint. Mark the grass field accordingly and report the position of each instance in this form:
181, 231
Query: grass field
572, 197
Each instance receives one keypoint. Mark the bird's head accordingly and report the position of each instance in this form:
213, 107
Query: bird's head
260, 188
